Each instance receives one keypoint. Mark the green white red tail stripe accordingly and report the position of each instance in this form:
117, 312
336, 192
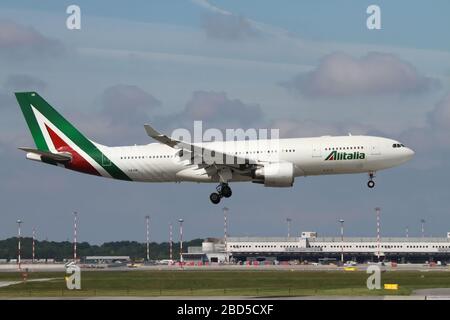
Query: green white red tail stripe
52, 132
78, 162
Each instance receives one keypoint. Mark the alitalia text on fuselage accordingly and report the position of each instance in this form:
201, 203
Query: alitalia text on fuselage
345, 156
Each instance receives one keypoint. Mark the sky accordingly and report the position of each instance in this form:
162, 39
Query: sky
307, 68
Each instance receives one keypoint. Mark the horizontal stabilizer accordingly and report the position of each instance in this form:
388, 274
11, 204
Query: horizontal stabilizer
61, 157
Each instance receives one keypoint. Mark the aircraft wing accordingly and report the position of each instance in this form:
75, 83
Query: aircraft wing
197, 150
57, 157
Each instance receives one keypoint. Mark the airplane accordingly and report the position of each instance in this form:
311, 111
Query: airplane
272, 162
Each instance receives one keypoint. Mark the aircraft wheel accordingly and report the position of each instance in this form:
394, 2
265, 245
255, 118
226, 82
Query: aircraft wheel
226, 191
215, 198
371, 184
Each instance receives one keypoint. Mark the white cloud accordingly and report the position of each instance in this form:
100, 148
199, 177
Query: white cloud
256, 25
440, 116
124, 111
227, 27
431, 141
293, 128
127, 103
341, 75
24, 82
19, 42
216, 110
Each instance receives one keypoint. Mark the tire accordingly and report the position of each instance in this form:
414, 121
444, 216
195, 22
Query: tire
371, 184
226, 191
214, 197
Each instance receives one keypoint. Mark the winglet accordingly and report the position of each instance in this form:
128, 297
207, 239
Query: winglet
151, 132
160, 137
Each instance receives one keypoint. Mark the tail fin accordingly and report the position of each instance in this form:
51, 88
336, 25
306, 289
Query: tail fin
53, 133
43, 119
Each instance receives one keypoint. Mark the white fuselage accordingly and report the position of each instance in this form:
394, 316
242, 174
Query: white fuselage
310, 156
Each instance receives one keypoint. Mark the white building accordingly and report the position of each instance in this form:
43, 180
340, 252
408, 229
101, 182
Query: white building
311, 247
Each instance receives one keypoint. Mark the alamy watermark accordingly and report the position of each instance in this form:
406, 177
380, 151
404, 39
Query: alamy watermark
373, 22
73, 277
73, 21
374, 280
235, 147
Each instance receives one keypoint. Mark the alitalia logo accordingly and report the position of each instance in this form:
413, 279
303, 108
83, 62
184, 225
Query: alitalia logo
346, 156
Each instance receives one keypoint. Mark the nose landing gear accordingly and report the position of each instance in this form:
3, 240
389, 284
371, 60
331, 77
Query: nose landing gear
371, 183
223, 191
214, 197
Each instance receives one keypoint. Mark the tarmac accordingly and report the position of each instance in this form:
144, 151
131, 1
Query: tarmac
433, 294
10, 283
218, 267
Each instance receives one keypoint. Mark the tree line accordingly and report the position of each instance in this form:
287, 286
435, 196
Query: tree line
64, 249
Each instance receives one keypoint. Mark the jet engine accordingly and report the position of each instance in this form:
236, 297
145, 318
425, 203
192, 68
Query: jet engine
277, 175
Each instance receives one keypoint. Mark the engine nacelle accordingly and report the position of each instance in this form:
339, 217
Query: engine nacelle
276, 175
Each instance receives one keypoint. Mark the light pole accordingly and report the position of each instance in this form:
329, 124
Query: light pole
407, 232
33, 247
288, 220
19, 222
342, 239
181, 241
422, 221
225, 227
170, 242
75, 221
377, 211
147, 222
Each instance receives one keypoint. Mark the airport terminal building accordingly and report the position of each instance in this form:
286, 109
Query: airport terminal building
310, 247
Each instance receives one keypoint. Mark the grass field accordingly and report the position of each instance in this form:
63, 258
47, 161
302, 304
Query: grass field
220, 283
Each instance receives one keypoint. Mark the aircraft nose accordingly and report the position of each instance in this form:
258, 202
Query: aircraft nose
409, 153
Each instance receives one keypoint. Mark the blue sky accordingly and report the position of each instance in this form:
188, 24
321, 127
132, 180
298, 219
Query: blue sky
250, 54
405, 23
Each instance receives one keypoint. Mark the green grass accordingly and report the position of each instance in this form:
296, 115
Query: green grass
221, 283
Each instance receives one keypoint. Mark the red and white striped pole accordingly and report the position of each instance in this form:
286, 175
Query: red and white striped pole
75, 221
19, 222
147, 221
33, 248
170, 241
288, 220
422, 221
377, 210
225, 227
342, 240
181, 242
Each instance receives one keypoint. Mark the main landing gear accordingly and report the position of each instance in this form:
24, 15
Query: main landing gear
223, 190
371, 183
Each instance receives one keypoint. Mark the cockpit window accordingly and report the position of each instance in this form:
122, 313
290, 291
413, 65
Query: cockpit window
397, 145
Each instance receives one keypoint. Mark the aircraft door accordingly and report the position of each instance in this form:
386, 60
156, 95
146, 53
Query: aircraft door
105, 161
375, 150
317, 151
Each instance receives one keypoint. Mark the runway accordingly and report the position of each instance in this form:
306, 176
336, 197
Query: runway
221, 267
433, 295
